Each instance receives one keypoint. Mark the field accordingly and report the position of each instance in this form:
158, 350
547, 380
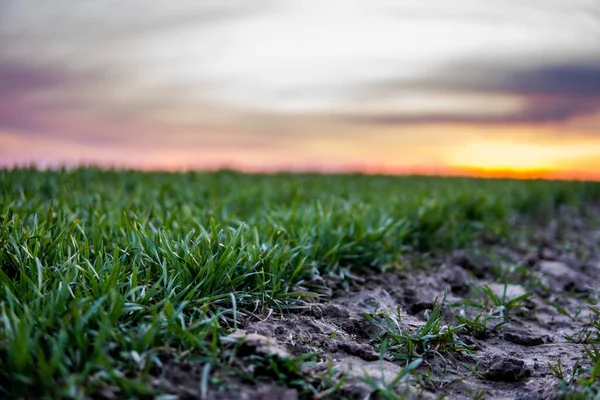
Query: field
122, 284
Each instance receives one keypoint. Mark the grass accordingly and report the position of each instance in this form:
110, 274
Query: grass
590, 332
479, 325
492, 311
582, 382
107, 276
433, 337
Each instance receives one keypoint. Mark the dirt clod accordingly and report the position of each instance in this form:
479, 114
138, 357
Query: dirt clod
266, 392
504, 369
477, 265
364, 351
335, 311
458, 279
259, 344
279, 331
525, 339
510, 291
359, 327
562, 277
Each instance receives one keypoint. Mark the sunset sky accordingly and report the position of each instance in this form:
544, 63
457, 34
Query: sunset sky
479, 87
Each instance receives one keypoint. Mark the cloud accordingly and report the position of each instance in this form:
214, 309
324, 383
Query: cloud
548, 94
37, 96
557, 79
273, 71
17, 79
20, 84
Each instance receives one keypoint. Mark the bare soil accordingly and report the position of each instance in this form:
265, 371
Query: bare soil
560, 263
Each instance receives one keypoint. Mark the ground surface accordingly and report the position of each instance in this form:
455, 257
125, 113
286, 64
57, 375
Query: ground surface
120, 284
555, 268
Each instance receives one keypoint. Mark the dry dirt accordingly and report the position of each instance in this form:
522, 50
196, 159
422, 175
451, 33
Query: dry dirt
560, 263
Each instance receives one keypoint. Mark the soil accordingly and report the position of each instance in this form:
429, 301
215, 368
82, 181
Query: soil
562, 263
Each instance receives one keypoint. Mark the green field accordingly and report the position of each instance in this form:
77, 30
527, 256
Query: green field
107, 275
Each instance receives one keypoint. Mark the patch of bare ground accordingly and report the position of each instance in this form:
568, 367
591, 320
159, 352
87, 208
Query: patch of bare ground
552, 269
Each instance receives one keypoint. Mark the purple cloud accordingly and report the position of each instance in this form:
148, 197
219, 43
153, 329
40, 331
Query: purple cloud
552, 94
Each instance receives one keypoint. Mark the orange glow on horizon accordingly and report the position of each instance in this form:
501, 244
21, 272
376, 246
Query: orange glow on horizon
439, 171
517, 153
526, 174
527, 159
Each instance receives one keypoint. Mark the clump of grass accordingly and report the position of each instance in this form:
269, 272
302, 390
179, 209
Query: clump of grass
491, 311
481, 324
454, 221
590, 332
433, 337
342, 235
581, 383
76, 315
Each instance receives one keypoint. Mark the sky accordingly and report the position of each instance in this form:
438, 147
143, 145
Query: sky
480, 87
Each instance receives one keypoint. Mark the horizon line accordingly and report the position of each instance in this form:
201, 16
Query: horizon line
349, 169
